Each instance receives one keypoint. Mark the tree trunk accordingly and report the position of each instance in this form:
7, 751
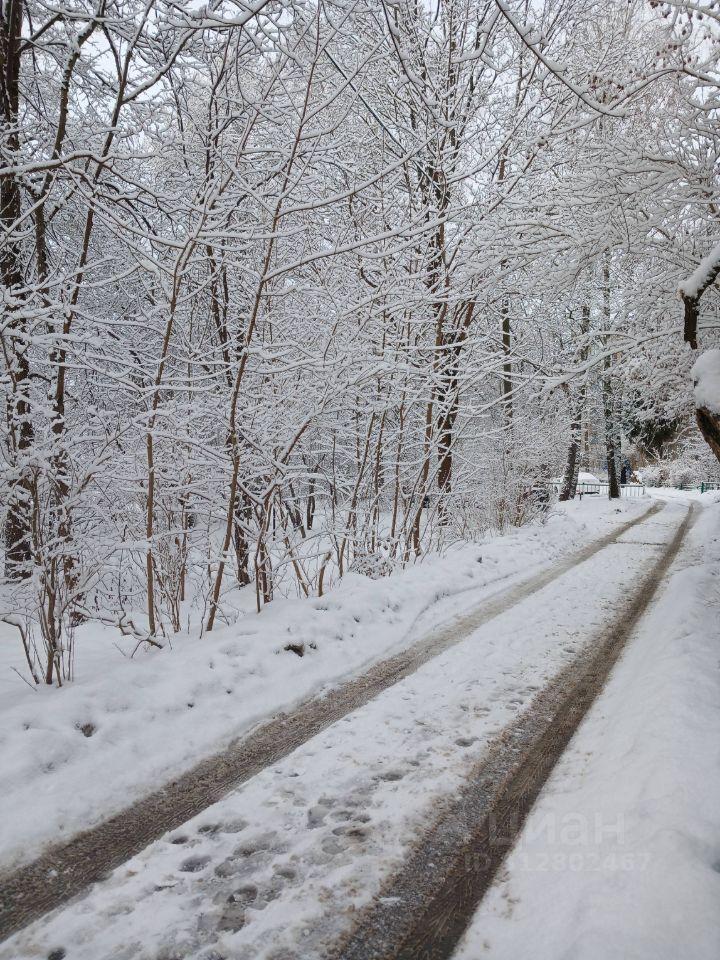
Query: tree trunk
240, 537
613, 485
569, 480
507, 363
708, 270
18, 518
709, 424
611, 450
310, 506
572, 465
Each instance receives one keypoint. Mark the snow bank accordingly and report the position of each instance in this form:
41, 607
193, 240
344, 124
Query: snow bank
153, 717
620, 856
706, 378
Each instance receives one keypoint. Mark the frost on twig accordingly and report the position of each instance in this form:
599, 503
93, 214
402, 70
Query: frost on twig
127, 627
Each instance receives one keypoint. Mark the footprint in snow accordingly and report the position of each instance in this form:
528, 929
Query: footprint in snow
350, 815
352, 831
209, 828
255, 846
391, 775
333, 846
194, 864
232, 826
465, 741
316, 816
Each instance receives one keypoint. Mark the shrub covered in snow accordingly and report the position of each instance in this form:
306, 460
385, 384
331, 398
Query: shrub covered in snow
373, 564
689, 465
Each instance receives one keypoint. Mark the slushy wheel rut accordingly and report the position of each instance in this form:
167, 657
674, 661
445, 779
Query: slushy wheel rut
423, 911
67, 869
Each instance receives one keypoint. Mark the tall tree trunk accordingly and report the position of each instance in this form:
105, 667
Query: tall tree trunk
569, 480
240, 537
18, 517
506, 330
709, 424
445, 454
507, 364
612, 450
707, 421
310, 504
449, 401
568, 488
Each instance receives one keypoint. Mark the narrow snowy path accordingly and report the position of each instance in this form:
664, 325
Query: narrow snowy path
278, 868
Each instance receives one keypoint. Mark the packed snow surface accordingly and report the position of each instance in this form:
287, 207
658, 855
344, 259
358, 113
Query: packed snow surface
620, 857
152, 717
281, 865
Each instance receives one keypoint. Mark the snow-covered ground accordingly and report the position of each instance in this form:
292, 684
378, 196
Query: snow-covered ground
684, 496
620, 856
279, 866
152, 717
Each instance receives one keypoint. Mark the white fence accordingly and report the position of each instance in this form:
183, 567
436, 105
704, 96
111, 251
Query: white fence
626, 489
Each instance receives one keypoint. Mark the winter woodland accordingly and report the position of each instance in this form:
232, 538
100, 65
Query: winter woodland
294, 288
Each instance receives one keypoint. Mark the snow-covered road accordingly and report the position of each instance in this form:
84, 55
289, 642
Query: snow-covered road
620, 857
73, 758
279, 868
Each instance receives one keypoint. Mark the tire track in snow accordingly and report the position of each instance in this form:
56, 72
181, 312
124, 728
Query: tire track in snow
67, 869
423, 911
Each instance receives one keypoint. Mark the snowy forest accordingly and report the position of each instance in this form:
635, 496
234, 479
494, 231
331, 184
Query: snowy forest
292, 288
